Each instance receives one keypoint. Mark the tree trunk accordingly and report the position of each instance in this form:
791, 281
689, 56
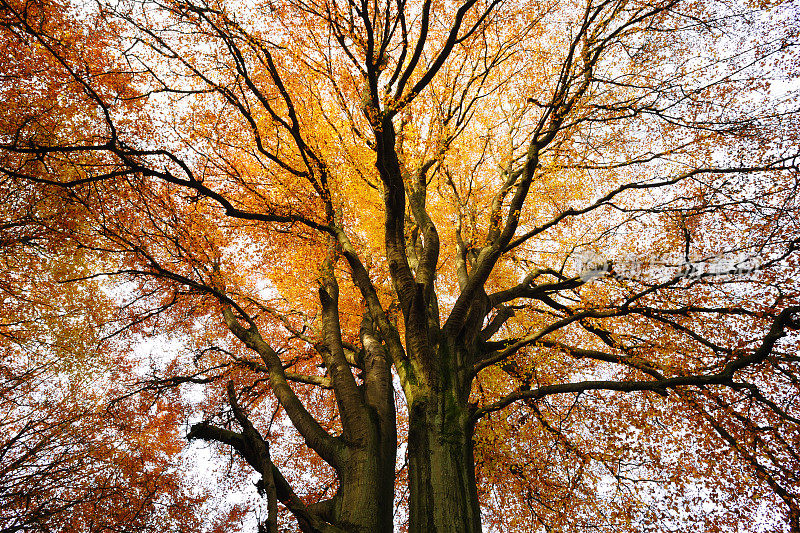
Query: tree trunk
444, 495
365, 500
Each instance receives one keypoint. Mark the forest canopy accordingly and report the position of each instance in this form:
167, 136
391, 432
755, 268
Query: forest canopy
414, 265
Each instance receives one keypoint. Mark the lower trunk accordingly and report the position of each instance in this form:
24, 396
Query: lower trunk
443, 490
364, 502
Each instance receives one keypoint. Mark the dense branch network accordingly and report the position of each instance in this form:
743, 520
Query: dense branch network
433, 176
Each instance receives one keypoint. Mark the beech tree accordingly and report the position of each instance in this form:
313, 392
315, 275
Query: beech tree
546, 250
71, 461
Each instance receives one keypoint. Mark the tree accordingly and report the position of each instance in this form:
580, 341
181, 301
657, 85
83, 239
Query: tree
564, 233
75, 454
71, 461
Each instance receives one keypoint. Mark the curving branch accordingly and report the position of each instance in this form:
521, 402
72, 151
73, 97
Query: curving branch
789, 318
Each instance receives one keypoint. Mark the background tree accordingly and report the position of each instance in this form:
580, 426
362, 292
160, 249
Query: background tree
70, 460
580, 281
75, 454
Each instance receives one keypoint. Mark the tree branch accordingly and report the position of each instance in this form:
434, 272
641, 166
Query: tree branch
786, 319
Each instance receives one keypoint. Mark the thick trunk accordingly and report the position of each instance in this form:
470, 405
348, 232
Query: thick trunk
444, 495
364, 502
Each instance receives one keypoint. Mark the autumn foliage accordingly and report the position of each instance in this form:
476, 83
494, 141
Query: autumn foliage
419, 265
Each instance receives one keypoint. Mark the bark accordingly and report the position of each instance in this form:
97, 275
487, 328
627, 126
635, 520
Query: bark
444, 495
443, 488
364, 502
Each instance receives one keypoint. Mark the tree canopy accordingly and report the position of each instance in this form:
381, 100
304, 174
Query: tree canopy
431, 266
